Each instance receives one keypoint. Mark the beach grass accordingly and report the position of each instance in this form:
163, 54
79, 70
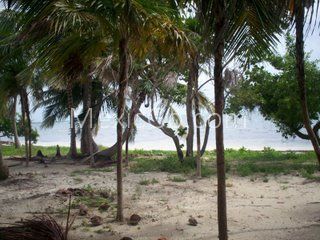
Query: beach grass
11, 151
242, 162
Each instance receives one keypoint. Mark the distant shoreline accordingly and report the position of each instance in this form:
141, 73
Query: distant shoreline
173, 150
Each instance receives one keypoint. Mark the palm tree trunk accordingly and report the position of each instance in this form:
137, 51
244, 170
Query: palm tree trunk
73, 143
4, 171
29, 124
299, 17
220, 29
195, 65
189, 112
17, 143
26, 132
123, 78
127, 149
86, 134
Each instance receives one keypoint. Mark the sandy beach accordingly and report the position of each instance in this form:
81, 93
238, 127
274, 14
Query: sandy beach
284, 207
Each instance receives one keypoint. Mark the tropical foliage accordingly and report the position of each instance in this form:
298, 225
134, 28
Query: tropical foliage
116, 55
270, 87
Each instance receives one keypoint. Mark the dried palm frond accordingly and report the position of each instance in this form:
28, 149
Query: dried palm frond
38, 228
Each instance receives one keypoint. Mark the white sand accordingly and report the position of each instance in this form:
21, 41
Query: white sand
285, 207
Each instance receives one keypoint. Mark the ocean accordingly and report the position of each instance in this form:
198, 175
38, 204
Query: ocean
251, 132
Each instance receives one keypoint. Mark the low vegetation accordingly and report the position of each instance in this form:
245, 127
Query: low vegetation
242, 162
11, 151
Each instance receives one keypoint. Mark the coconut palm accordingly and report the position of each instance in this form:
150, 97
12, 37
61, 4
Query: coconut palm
75, 54
16, 74
133, 24
297, 8
55, 103
233, 27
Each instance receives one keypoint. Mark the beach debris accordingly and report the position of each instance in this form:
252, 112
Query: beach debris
78, 192
104, 207
134, 220
38, 228
107, 194
83, 210
96, 220
193, 221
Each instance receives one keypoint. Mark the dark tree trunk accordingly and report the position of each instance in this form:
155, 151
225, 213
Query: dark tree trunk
29, 124
220, 29
178, 148
111, 151
25, 125
189, 112
17, 143
73, 140
206, 134
86, 133
299, 18
195, 66
123, 79
4, 171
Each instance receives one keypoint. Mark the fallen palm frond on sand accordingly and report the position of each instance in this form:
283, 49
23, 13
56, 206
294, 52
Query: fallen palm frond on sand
38, 228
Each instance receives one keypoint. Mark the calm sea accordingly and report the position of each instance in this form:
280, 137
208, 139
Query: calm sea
251, 132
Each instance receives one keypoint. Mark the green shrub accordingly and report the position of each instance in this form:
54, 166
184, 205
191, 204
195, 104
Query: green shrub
178, 179
170, 164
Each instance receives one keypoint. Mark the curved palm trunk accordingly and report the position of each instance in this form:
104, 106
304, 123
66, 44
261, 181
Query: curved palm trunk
17, 143
4, 171
220, 29
111, 151
86, 133
136, 104
206, 134
167, 131
123, 79
299, 17
73, 143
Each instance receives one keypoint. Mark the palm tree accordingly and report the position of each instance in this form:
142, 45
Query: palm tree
16, 74
235, 28
299, 16
220, 26
133, 24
